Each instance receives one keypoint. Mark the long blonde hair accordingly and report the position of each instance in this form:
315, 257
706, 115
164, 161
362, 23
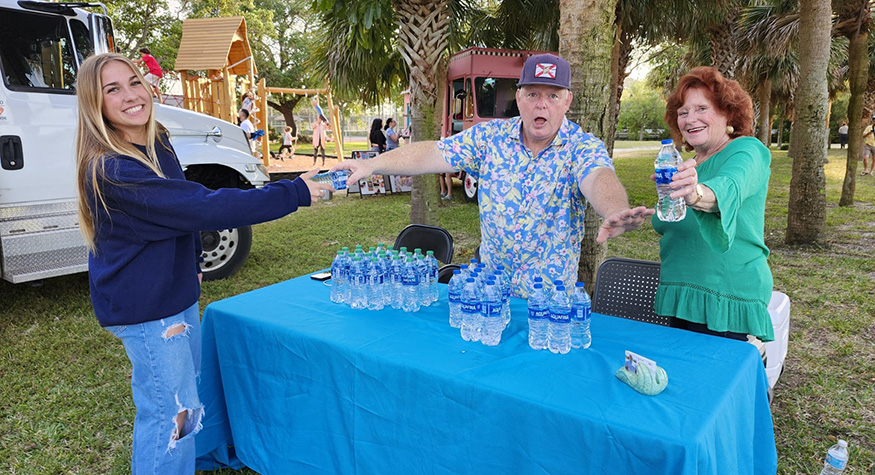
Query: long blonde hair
98, 139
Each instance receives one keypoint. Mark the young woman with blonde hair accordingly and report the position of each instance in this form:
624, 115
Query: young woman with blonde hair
141, 221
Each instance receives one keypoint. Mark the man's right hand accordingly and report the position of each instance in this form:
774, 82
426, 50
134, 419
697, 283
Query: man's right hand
358, 169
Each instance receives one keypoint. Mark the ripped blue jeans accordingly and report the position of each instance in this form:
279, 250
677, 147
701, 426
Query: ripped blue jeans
166, 356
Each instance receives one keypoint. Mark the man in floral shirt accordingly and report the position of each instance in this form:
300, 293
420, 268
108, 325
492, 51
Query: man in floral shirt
535, 173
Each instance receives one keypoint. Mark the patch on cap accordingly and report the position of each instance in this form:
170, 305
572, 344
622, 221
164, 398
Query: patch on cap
545, 70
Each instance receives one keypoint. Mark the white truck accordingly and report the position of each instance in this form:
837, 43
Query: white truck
41, 47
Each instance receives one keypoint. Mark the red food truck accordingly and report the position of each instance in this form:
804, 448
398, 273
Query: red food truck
481, 86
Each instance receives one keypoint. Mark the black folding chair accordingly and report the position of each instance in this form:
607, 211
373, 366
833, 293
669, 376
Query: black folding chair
427, 238
626, 288
445, 273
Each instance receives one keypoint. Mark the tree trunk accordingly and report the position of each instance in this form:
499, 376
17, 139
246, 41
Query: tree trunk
806, 218
723, 40
858, 76
586, 40
620, 54
423, 32
765, 95
287, 109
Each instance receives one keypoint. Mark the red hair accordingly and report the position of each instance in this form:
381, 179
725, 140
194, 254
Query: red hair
726, 94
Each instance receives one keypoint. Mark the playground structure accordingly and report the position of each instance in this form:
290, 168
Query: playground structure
220, 47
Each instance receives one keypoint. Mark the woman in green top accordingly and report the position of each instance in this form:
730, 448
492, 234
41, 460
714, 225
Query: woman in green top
714, 277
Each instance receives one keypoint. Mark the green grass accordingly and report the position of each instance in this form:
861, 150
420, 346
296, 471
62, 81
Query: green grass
65, 401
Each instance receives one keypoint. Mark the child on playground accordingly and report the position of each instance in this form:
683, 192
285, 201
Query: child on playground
141, 220
153, 77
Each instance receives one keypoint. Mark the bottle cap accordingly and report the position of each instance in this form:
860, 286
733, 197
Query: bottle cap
667, 141
579, 284
456, 271
842, 443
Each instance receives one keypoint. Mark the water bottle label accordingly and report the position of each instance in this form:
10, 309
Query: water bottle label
580, 313
561, 316
538, 314
664, 175
377, 279
455, 297
491, 310
468, 307
409, 279
835, 462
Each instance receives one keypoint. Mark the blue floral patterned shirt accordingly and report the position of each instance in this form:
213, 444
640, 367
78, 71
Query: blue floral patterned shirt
531, 208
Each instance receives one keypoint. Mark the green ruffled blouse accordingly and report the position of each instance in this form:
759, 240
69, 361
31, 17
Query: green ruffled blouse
714, 268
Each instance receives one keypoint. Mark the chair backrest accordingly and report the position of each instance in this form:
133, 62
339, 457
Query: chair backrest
445, 273
626, 288
427, 238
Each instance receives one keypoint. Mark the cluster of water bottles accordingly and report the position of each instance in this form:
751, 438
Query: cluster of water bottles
384, 277
479, 302
559, 321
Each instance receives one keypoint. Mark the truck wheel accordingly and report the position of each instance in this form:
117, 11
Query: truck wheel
225, 251
469, 184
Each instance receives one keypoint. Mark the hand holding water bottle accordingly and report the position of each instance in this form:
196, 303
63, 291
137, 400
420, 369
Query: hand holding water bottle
314, 187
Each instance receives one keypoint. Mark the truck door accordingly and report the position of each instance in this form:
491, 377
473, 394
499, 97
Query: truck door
37, 108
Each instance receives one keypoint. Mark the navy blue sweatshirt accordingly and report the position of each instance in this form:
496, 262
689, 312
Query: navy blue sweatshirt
145, 263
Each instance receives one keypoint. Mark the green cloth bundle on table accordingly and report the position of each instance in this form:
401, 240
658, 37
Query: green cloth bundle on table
644, 380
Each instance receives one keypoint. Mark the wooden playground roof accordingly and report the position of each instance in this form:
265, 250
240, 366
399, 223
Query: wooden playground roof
214, 43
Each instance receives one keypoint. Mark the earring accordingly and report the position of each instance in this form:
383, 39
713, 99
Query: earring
729, 130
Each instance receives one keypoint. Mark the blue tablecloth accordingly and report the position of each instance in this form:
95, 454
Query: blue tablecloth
295, 384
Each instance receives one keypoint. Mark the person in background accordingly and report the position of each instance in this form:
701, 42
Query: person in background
536, 172
247, 102
153, 77
714, 276
248, 128
320, 137
869, 148
843, 134
376, 136
392, 137
446, 182
141, 222
288, 144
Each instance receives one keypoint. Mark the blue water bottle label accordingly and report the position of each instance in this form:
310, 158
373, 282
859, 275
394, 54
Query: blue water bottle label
835, 462
664, 175
409, 279
468, 307
455, 297
537, 314
580, 313
560, 317
492, 310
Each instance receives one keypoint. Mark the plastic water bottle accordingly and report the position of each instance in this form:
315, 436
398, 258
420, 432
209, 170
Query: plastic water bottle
337, 278
504, 280
470, 305
667, 161
836, 459
559, 322
433, 267
396, 271
357, 280
581, 310
454, 290
375, 285
490, 312
538, 317
337, 179
410, 286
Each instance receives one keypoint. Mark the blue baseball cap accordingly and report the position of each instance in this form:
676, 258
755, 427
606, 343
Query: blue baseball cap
546, 70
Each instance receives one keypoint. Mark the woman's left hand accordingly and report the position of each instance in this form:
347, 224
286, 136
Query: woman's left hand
685, 180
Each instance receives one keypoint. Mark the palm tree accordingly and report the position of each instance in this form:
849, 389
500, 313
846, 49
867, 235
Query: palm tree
586, 33
806, 217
